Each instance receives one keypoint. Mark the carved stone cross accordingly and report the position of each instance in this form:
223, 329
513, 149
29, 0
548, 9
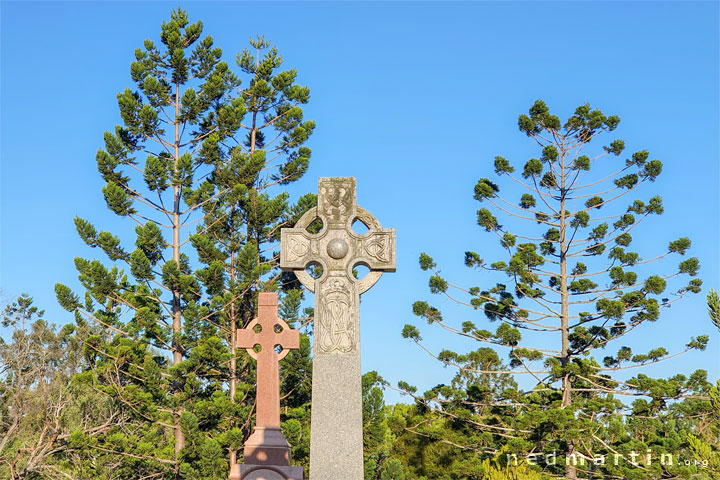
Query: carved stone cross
267, 453
336, 415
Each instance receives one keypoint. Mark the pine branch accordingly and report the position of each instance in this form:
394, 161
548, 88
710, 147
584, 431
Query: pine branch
474, 370
510, 320
713, 301
612, 175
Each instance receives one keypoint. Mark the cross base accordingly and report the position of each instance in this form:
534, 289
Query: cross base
267, 446
267, 457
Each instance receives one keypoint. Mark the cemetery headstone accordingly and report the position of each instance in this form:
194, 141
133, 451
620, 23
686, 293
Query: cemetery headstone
336, 436
267, 339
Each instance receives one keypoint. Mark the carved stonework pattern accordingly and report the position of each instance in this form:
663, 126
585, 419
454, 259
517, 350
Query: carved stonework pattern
297, 247
338, 197
378, 247
336, 331
367, 218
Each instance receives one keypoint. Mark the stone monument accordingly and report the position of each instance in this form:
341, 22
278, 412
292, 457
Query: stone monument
336, 436
267, 453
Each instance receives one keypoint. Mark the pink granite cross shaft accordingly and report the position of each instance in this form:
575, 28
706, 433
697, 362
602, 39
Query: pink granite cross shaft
273, 332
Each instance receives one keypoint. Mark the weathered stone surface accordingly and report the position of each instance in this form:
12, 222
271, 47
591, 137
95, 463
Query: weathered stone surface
336, 419
267, 453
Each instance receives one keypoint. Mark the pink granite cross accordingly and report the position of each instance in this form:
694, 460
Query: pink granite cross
273, 334
267, 453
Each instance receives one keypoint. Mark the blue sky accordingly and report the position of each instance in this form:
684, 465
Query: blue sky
413, 99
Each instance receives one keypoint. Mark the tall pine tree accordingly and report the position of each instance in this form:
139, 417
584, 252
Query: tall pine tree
570, 276
237, 238
192, 168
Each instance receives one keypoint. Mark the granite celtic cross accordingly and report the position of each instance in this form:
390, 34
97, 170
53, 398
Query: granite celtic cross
336, 417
